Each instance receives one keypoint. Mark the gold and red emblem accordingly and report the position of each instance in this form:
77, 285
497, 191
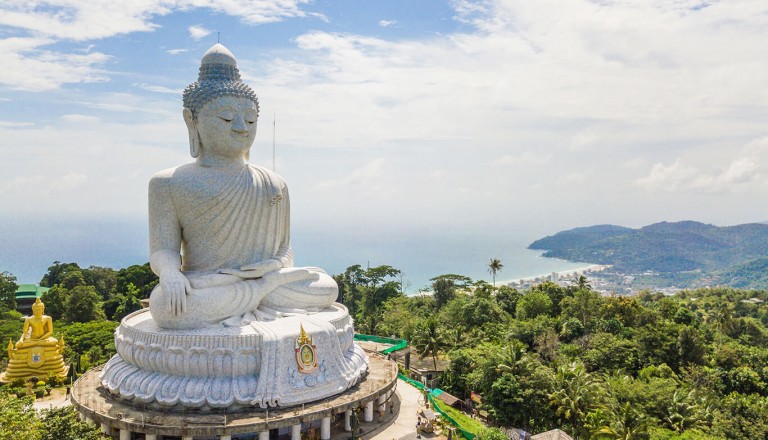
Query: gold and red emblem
306, 353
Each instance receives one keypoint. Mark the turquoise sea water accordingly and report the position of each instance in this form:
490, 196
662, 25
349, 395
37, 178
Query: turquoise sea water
29, 247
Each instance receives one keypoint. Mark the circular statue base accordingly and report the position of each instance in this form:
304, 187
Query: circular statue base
96, 404
269, 363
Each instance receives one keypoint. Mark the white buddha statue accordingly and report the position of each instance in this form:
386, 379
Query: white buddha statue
232, 324
220, 227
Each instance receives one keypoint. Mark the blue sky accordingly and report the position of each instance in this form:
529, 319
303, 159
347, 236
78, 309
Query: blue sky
493, 115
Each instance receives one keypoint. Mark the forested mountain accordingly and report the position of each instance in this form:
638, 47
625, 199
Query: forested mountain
730, 252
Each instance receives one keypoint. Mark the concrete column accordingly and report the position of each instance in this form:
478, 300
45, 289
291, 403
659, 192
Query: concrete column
105, 428
225, 437
325, 428
382, 405
296, 432
368, 416
347, 420
264, 435
125, 434
186, 437
150, 436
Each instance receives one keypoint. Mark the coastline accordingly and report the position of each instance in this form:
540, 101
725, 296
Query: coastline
588, 268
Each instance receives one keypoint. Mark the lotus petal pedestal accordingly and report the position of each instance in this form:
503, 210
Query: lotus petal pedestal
283, 362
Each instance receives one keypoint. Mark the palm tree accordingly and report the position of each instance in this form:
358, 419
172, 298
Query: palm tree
576, 393
582, 283
428, 340
493, 267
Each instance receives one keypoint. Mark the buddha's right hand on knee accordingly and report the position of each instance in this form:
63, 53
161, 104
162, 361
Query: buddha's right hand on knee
175, 288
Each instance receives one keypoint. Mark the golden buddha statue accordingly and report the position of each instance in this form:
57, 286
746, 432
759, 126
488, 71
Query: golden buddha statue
36, 353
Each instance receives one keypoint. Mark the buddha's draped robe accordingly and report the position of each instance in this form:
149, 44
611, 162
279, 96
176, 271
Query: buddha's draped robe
226, 220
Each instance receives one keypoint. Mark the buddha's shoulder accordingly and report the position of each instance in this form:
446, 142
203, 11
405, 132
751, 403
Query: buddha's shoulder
269, 176
172, 176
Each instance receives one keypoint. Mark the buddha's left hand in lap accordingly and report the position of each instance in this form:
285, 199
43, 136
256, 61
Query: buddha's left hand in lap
256, 270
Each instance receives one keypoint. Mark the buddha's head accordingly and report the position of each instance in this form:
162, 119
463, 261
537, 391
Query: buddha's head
219, 109
38, 308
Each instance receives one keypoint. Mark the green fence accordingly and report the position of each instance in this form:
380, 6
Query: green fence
431, 396
397, 344
467, 435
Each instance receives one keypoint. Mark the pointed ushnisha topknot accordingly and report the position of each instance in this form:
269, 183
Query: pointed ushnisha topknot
218, 76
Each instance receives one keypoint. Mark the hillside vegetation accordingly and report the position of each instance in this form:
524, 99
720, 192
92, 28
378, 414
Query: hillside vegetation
735, 255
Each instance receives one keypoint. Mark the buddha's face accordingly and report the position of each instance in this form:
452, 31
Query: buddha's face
227, 126
37, 311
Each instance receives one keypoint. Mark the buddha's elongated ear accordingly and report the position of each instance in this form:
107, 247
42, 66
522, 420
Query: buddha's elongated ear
194, 136
247, 154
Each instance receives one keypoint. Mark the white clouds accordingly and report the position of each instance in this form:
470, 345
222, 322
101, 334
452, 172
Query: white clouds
26, 66
524, 159
76, 118
176, 51
387, 23
741, 173
82, 20
599, 92
198, 32
157, 89
29, 66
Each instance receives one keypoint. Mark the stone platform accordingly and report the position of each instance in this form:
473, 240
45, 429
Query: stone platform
96, 404
255, 364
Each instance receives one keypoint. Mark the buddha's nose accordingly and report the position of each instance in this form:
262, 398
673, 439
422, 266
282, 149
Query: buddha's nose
238, 124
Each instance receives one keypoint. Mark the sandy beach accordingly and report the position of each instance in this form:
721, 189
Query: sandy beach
591, 268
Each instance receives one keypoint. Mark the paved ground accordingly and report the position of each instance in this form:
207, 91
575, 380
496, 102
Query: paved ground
403, 426
57, 399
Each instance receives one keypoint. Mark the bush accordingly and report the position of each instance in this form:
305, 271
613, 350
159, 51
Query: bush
39, 392
54, 380
40, 383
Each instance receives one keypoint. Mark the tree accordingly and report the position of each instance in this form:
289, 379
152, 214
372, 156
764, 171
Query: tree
55, 300
11, 324
443, 291
582, 283
507, 297
582, 305
533, 304
64, 423
104, 279
494, 266
17, 418
682, 415
83, 305
576, 394
141, 276
8, 289
428, 340
129, 303
96, 338
56, 273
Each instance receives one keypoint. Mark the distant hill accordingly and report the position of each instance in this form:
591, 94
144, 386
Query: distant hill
736, 255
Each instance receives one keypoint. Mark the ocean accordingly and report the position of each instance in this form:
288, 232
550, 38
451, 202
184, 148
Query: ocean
29, 247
